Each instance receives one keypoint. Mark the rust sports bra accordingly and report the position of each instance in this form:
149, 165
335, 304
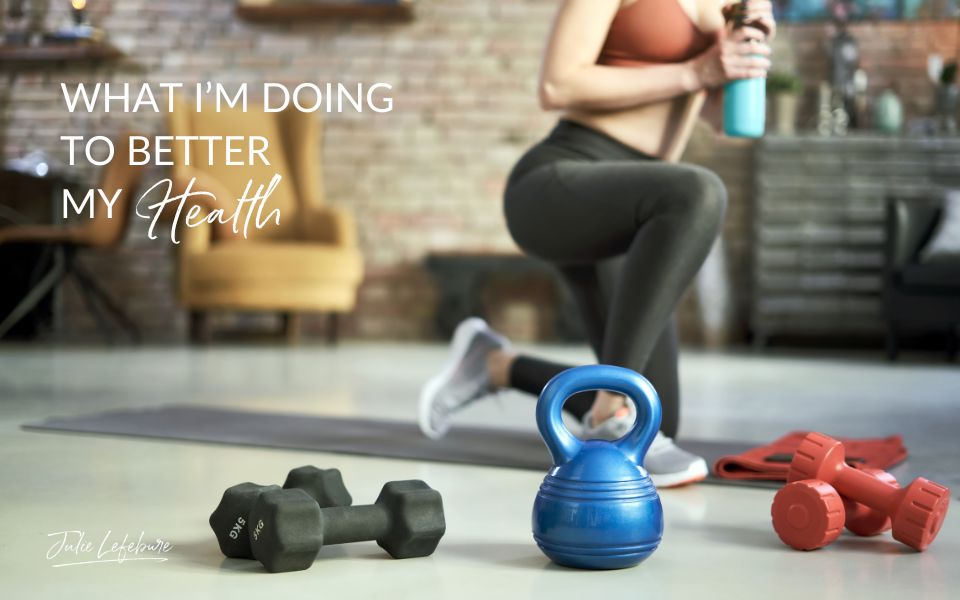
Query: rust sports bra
650, 32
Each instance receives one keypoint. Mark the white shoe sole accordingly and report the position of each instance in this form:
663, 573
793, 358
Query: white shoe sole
697, 471
458, 347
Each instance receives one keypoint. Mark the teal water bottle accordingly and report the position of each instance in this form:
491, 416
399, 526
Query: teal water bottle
744, 100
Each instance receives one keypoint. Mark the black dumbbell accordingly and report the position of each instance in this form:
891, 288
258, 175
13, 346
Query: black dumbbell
287, 529
323, 487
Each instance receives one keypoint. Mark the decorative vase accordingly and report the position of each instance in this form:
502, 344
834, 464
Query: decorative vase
888, 113
785, 113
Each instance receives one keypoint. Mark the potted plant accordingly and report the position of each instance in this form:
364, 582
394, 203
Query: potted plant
783, 89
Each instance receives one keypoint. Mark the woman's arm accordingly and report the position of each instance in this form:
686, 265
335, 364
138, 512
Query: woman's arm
571, 79
713, 109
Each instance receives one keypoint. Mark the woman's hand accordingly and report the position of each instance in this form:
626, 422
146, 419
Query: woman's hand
740, 54
760, 13
756, 13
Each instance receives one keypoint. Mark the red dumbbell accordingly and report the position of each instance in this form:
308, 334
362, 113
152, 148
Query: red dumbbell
810, 514
916, 511
807, 514
863, 520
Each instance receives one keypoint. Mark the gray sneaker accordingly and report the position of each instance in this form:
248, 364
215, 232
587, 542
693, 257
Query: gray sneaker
668, 465
463, 380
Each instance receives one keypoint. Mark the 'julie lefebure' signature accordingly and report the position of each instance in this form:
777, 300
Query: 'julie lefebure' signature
74, 547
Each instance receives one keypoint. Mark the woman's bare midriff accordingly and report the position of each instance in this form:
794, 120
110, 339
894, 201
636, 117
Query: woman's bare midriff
660, 129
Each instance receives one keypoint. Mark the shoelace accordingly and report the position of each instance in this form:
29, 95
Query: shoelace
660, 442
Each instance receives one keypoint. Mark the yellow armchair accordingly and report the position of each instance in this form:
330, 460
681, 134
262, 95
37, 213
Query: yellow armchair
308, 262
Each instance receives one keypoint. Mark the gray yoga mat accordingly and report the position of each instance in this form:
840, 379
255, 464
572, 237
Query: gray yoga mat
368, 437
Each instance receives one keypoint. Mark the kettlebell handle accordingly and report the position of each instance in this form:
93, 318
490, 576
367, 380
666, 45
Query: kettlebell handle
562, 444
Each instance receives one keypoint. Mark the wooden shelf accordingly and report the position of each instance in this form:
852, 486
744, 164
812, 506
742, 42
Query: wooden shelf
316, 11
58, 52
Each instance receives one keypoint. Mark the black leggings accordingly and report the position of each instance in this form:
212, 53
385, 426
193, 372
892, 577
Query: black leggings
628, 234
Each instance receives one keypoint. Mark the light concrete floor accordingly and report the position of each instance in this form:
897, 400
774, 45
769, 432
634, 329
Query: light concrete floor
718, 540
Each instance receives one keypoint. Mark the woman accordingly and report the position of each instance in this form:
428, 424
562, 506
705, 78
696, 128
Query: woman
604, 200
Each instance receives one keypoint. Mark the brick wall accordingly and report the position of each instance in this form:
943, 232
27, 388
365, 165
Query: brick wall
425, 177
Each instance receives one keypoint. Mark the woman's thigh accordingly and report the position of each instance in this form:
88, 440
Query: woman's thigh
581, 211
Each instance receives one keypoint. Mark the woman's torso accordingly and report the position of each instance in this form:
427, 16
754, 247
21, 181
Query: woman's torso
650, 32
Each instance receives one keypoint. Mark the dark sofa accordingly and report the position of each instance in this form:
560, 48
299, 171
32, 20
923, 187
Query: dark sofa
918, 298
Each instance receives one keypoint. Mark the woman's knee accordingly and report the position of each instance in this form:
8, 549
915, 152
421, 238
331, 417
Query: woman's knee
702, 195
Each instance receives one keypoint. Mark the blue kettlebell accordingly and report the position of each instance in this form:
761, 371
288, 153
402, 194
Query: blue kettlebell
597, 508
